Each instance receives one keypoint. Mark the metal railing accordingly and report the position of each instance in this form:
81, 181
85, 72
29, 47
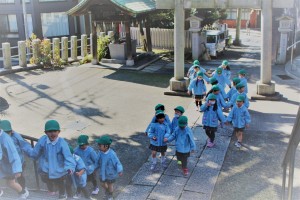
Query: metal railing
292, 53
32, 141
289, 159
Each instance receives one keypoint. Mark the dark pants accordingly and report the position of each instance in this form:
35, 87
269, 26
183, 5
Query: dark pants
92, 178
59, 183
70, 185
183, 158
210, 132
21, 179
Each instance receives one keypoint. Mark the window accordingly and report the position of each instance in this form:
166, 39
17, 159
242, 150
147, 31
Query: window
8, 24
7, 1
55, 24
49, 0
211, 38
231, 14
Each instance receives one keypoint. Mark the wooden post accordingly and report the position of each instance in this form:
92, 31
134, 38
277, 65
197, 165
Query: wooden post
83, 45
22, 53
129, 61
64, 49
95, 60
143, 39
148, 36
36, 50
74, 47
6, 51
55, 47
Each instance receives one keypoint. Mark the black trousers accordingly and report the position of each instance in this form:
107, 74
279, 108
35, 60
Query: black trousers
54, 184
70, 186
183, 157
92, 178
210, 132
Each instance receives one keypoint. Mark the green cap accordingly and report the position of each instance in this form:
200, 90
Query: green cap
236, 80
104, 140
219, 70
180, 109
52, 125
71, 149
159, 112
225, 62
158, 107
182, 121
213, 80
196, 62
215, 87
200, 73
240, 98
211, 97
242, 71
82, 140
240, 85
5, 125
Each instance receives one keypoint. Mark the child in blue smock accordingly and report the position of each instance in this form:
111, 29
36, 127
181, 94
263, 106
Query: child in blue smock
242, 76
194, 69
219, 98
55, 158
184, 142
89, 157
214, 82
109, 165
226, 69
20, 144
10, 164
222, 79
198, 89
212, 114
233, 89
167, 119
179, 110
78, 179
240, 91
240, 118
157, 132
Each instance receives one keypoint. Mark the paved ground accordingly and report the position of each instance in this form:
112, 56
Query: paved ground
99, 101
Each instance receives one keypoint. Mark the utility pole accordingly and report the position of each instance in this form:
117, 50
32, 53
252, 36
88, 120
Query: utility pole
237, 40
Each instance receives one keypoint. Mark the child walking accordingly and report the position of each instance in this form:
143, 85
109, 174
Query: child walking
233, 89
179, 110
184, 142
10, 165
20, 145
212, 114
240, 118
240, 91
222, 79
78, 178
167, 119
226, 69
157, 132
89, 157
198, 89
242, 76
109, 165
55, 158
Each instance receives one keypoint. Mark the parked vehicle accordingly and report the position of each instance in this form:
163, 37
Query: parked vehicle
215, 42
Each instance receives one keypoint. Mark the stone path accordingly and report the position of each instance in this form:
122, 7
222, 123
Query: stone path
204, 167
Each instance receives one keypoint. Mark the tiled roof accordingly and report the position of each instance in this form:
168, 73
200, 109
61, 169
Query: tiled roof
133, 6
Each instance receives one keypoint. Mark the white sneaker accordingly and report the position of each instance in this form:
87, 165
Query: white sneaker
95, 191
76, 196
238, 144
25, 195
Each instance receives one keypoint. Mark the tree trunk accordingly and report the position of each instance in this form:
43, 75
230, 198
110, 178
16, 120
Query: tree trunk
237, 40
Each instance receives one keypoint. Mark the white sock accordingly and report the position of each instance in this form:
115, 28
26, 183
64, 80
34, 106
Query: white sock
154, 160
163, 158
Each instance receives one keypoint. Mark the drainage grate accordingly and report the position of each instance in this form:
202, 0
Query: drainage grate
285, 77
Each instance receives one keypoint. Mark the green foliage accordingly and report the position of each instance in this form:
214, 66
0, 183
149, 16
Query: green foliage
46, 57
162, 19
102, 47
86, 59
209, 16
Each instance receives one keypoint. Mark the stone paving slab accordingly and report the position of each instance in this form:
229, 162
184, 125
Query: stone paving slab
175, 170
133, 192
146, 177
194, 196
168, 187
202, 180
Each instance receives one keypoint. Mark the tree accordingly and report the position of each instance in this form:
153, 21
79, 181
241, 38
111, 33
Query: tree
209, 16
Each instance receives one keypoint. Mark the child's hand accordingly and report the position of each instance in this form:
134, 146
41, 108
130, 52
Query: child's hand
247, 125
165, 139
189, 92
154, 138
17, 175
193, 151
70, 172
120, 174
78, 174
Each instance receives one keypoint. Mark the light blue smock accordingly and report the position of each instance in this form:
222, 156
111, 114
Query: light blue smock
184, 139
239, 117
197, 87
210, 117
160, 131
89, 157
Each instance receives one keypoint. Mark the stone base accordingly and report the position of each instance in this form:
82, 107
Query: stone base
265, 89
275, 97
113, 61
179, 85
129, 62
176, 93
95, 62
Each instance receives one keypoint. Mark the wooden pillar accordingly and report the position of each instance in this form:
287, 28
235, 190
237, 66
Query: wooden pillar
148, 36
129, 60
95, 60
143, 39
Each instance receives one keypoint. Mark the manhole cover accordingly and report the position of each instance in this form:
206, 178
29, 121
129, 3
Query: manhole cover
285, 77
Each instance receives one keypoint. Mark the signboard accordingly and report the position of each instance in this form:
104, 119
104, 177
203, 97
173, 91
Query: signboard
255, 4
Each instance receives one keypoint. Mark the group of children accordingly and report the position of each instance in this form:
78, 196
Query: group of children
162, 131
60, 167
